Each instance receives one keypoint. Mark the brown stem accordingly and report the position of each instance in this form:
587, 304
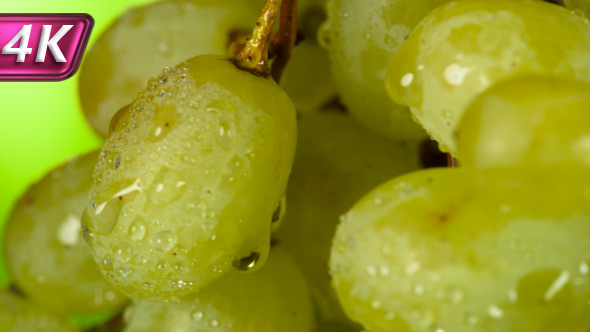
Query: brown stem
451, 162
284, 41
253, 57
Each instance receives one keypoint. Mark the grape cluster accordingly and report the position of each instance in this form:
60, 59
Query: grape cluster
237, 191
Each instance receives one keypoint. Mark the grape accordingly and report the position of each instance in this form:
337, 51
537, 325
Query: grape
45, 254
581, 6
148, 38
447, 250
336, 163
189, 179
362, 37
464, 47
275, 298
18, 315
307, 78
531, 123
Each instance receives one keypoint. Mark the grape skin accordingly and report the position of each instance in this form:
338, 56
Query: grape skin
148, 38
116, 68
204, 155
18, 315
336, 163
362, 37
275, 298
446, 249
464, 47
307, 79
45, 253
580, 6
538, 124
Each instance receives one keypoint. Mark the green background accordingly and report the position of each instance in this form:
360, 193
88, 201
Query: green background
41, 123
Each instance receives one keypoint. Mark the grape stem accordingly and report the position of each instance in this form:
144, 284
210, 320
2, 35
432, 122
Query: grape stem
451, 162
282, 43
253, 57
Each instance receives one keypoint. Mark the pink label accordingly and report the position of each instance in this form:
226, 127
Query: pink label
42, 47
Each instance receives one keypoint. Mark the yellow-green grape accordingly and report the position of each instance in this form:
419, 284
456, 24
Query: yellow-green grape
189, 179
43, 246
362, 37
335, 326
307, 78
18, 315
275, 298
148, 38
336, 163
464, 47
536, 124
442, 250
580, 6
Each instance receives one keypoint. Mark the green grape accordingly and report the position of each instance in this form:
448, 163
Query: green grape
18, 315
334, 326
148, 38
580, 6
275, 298
537, 124
336, 163
189, 179
307, 78
362, 37
45, 253
464, 47
446, 250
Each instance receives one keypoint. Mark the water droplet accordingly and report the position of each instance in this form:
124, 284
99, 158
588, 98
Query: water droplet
124, 252
107, 263
246, 263
112, 159
137, 229
213, 323
162, 265
197, 315
163, 121
86, 232
123, 271
178, 267
455, 74
106, 211
278, 215
167, 186
164, 241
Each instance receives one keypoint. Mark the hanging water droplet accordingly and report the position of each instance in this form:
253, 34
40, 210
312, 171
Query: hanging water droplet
246, 263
